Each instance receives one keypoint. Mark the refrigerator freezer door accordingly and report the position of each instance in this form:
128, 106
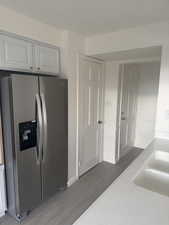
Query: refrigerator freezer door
27, 174
53, 92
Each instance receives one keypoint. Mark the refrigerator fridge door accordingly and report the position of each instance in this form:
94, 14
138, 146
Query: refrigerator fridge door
53, 92
27, 167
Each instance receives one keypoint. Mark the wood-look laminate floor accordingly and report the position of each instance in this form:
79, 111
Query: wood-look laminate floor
65, 207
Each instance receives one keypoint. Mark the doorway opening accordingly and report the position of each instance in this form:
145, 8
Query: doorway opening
131, 92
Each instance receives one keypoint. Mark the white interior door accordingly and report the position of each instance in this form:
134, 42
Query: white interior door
129, 78
90, 100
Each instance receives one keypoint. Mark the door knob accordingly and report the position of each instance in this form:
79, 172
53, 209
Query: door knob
123, 118
100, 122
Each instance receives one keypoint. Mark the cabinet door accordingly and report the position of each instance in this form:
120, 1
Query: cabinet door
47, 60
17, 54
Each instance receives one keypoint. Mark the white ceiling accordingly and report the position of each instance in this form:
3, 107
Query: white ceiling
92, 16
135, 54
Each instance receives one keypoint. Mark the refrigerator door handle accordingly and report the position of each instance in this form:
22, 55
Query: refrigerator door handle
45, 123
39, 129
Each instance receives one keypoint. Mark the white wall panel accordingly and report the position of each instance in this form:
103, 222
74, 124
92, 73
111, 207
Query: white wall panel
162, 120
147, 103
125, 39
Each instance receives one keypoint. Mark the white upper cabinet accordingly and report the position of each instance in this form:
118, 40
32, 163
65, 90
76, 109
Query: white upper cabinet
47, 60
17, 54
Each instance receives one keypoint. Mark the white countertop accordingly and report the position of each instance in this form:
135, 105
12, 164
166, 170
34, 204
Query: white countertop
125, 203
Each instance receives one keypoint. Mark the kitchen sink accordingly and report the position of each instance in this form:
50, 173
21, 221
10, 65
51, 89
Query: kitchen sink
155, 174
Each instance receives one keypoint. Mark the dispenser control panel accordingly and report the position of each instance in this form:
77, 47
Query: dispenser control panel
27, 134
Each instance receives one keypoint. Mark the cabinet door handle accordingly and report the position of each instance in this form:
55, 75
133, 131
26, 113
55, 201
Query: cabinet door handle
38, 68
31, 67
39, 128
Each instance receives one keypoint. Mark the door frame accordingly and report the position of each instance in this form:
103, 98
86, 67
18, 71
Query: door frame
118, 118
101, 134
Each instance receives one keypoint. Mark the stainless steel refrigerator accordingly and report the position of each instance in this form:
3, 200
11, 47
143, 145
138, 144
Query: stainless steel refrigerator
35, 127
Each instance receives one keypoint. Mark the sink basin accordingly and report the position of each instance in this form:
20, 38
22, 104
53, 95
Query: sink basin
154, 180
159, 161
155, 174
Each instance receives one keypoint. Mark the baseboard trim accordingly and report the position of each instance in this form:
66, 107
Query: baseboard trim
145, 145
2, 214
162, 135
71, 181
